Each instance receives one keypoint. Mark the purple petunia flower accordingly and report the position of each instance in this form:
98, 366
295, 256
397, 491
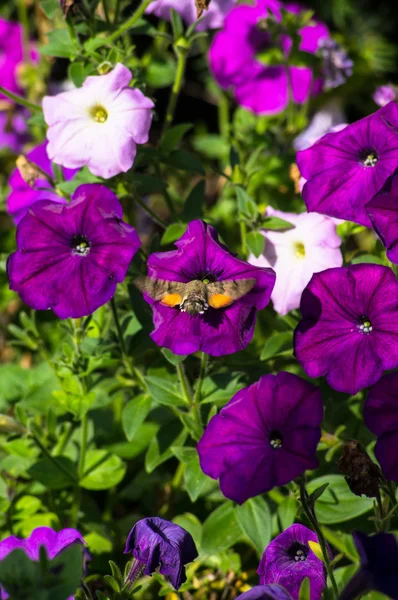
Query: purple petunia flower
311, 245
345, 169
22, 195
70, 257
381, 417
99, 124
385, 94
379, 566
213, 17
11, 55
383, 212
159, 544
235, 64
53, 542
337, 67
349, 329
288, 560
266, 592
13, 130
200, 256
266, 436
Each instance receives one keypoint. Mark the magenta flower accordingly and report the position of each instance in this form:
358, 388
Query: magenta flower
99, 124
213, 17
266, 436
11, 55
266, 592
40, 537
381, 417
288, 560
383, 212
233, 58
218, 331
13, 130
349, 329
295, 254
159, 544
385, 94
379, 566
70, 257
22, 196
345, 169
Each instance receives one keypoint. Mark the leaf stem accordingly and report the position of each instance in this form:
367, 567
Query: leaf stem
185, 387
198, 391
150, 212
130, 22
182, 53
19, 99
83, 445
243, 237
311, 515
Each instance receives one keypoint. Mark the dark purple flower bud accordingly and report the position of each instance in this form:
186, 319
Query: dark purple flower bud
159, 544
266, 436
337, 67
383, 213
346, 168
381, 417
53, 542
266, 592
349, 328
71, 256
288, 560
363, 476
379, 566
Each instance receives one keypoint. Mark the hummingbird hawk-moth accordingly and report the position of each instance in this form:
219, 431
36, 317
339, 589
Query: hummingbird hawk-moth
196, 296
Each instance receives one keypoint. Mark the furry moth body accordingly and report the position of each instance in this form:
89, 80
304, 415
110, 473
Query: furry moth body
196, 296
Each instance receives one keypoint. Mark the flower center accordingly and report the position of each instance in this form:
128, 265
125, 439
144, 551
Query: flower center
298, 552
275, 439
299, 250
369, 158
365, 326
98, 113
80, 245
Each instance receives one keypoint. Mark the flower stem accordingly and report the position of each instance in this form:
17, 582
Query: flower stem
130, 22
19, 99
311, 515
83, 445
198, 390
23, 17
150, 212
52, 458
185, 387
243, 237
182, 54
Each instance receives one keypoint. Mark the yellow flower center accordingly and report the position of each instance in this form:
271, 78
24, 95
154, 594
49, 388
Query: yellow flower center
99, 114
299, 250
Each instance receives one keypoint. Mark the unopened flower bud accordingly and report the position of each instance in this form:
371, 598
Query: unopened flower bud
363, 476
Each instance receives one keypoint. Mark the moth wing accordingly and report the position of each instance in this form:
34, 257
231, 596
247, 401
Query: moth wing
168, 293
224, 293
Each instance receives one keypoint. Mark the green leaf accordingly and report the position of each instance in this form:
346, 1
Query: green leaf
287, 511
316, 494
173, 232
305, 590
183, 160
146, 184
165, 392
368, 258
275, 223
194, 477
49, 7
246, 205
77, 73
173, 137
52, 476
160, 448
160, 72
219, 389
134, 414
254, 517
338, 504
255, 243
192, 524
277, 343
60, 45
211, 145
173, 359
221, 530
97, 543
193, 206
103, 470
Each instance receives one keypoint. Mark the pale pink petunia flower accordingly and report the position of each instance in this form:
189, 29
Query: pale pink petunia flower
213, 17
98, 125
295, 254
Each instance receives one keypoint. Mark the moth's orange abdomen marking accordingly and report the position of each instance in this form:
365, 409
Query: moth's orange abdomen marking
220, 300
171, 299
